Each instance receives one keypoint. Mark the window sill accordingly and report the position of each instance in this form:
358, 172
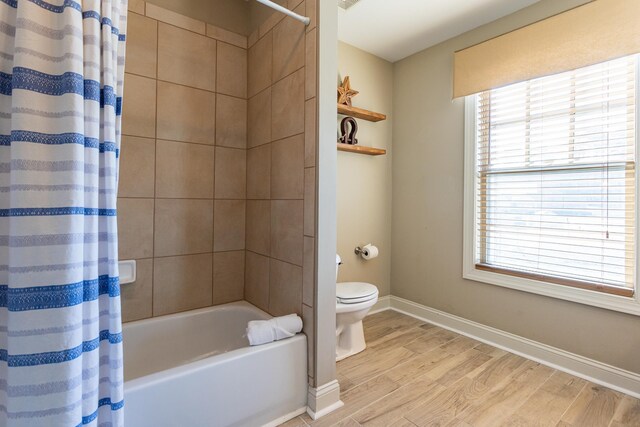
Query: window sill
629, 305
590, 286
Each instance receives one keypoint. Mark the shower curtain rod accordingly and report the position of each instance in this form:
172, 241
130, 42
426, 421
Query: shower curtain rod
304, 19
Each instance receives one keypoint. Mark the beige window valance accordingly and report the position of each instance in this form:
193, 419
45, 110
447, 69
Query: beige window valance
595, 32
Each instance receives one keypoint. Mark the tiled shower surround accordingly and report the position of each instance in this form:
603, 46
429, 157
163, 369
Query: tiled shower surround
183, 166
281, 166
218, 167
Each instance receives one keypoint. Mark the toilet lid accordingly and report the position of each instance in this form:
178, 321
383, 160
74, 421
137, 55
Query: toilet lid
355, 292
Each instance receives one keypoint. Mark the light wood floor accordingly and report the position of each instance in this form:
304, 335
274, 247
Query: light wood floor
416, 374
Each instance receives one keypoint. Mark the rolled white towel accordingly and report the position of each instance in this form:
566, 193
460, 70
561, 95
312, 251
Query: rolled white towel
277, 328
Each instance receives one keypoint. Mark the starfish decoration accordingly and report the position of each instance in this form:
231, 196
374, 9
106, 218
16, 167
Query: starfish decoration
345, 93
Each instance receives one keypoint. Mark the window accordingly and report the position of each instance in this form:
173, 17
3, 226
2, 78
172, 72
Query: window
553, 189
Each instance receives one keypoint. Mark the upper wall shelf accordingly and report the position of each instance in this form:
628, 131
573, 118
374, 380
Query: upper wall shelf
360, 113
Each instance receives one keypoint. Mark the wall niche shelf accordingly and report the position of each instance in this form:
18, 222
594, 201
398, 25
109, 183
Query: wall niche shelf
360, 113
361, 149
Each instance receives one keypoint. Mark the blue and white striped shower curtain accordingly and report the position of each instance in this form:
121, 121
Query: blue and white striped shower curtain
61, 76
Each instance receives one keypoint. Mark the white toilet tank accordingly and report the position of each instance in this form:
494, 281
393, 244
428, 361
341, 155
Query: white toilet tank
338, 262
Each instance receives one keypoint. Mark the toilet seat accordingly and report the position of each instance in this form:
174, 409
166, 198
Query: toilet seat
355, 292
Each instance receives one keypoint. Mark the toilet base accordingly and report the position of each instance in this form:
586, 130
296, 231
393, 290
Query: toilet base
349, 340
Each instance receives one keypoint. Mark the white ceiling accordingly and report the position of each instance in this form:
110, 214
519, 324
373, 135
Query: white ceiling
396, 29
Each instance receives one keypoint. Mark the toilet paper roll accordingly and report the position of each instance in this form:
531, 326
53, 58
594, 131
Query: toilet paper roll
369, 252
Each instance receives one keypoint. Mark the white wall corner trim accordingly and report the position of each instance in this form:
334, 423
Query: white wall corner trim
324, 399
574, 364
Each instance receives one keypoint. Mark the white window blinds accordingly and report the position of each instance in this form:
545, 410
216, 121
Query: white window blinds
555, 178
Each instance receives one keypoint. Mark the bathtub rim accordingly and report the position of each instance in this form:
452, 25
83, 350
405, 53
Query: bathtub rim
189, 313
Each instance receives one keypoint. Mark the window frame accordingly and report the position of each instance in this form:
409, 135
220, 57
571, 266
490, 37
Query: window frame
625, 304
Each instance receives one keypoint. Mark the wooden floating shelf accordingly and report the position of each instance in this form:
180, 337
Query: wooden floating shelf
360, 113
361, 149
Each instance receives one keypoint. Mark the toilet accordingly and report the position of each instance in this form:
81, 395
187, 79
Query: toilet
353, 302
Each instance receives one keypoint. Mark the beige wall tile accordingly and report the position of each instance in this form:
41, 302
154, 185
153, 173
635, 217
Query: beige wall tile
136, 297
287, 168
175, 170
259, 172
310, 134
185, 114
286, 230
137, 167
231, 173
136, 6
309, 330
259, 226
308, 271
310, 202
135, 228
260, 58
142, 45
226, 36
231, 122
228, 277
253, 38
164, 15
270, 22
139, 106
288, 47
310, 67
292, 4
285, 288
259, 119
256, 286
182, 283
184, 170
183, 226
311, 76
232, 70
229, 225
186, 58
311, 12
287, 113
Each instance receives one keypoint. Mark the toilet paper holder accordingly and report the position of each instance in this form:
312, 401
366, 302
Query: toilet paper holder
366, 252
360, 250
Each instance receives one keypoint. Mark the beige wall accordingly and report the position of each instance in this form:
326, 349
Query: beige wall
428, 206
182, 171
281, 167
364, 182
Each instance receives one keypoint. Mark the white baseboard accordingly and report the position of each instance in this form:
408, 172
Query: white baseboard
383, 303
323, 399
285, 418
580, 366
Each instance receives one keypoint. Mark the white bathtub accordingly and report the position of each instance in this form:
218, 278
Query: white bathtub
197, 369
